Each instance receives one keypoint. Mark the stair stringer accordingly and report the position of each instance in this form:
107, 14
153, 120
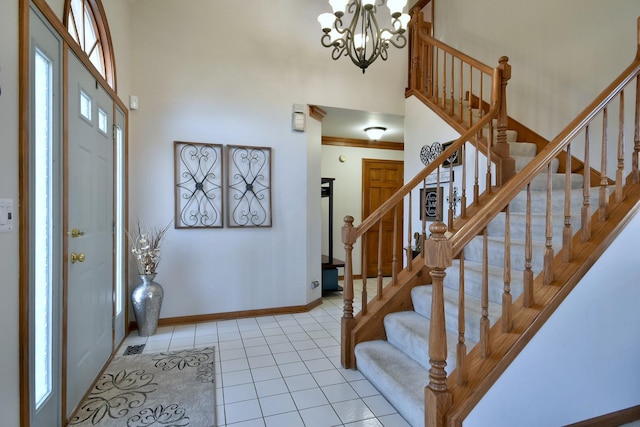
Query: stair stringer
484, 372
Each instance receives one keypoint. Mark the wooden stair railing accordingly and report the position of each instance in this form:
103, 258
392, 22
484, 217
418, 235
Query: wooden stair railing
478, 136
449, 400
547, 276
454, 85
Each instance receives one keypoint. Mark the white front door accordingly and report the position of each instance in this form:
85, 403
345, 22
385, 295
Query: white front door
90, 248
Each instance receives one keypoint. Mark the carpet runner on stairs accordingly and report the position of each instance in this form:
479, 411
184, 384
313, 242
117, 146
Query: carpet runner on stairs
398, 367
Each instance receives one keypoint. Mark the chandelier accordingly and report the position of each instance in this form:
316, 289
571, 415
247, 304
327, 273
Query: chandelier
363, 39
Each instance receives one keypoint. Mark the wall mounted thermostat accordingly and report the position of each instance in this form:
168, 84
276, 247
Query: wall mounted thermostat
298, 119
6, 215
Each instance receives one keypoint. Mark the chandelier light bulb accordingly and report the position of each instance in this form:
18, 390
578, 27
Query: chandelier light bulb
404, 21
338, 7
326, 21
396, 6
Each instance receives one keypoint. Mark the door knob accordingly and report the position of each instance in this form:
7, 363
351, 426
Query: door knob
77, 257
76, 232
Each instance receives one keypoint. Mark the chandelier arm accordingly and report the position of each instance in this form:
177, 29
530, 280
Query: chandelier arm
399, 42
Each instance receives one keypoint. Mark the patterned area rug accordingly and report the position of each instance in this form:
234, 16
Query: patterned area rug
175, 388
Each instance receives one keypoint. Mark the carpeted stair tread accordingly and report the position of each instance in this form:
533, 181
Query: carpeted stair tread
421, 297
473, 252
539, 183
521, 148
522, 161
473, 280
539, 200
538, 220
400, 379
408, 331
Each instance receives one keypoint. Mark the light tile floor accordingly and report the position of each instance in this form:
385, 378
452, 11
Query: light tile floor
281, 371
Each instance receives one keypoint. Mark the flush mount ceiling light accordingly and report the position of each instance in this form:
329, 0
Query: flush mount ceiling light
360, 37
375, 132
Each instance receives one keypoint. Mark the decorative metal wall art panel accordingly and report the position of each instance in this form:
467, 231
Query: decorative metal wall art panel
431, 201
198, 177
249, 186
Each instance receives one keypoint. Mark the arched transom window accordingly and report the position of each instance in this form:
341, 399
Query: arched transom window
87, 24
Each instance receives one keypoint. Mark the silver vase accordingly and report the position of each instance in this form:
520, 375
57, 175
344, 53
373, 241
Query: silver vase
147, 302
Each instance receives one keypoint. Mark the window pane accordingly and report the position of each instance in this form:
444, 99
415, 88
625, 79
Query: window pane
76, 9
85, 105
120, 251
96, 59
89, 29
42, 227
102, 121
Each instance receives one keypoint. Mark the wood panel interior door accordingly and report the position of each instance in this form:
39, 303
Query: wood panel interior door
380, 180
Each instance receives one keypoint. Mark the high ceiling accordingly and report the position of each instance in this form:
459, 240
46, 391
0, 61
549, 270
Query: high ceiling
345, 123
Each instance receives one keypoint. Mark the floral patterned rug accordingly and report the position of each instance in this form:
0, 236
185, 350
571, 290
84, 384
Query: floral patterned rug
175, 388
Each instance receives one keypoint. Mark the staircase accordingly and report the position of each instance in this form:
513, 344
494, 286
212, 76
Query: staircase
441, 331
399, 365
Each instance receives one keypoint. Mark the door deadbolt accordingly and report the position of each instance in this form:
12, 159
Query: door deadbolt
77, 257
76, 232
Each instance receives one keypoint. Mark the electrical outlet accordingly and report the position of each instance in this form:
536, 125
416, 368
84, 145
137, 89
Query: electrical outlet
315, 284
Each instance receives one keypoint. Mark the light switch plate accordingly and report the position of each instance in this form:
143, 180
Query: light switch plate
6, 215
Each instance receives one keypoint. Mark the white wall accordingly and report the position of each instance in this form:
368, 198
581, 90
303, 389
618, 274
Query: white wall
199, 78
10, 385
584, 361
314, 215
347, 198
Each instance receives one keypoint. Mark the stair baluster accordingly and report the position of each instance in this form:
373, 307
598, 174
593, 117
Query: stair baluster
463, 197
485, 324
365, 297
636, 136
461, 348
394, 259
380, 277
527, 290
507, 298
567, 231
548, 246
620, 171
586, 203
604, 181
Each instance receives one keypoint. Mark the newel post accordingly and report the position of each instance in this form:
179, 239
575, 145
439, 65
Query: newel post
414, 50
507, 164
348, 321
438, 256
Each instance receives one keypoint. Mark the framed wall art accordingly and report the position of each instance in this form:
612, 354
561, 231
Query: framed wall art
248, 186
445, 176
456, 159
198, 185
431, 201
